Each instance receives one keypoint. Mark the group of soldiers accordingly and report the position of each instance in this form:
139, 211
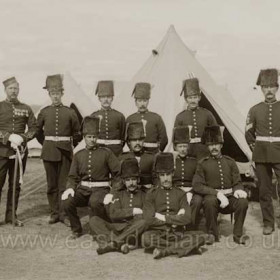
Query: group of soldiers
145, 197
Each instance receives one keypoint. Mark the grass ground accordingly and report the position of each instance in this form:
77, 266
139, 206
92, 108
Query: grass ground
42, 251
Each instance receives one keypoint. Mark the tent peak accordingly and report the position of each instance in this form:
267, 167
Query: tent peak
171, 29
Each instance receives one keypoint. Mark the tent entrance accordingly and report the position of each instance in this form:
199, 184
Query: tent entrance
230, 148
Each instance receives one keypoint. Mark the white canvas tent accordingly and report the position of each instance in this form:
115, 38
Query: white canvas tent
73, 97
168, 65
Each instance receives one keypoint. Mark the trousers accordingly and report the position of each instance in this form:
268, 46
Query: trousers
264, 174
212, 208
125, 232
92, 197
7, 167
180, 243
57, 172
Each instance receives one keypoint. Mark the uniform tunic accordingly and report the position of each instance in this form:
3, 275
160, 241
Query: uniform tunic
123, 223
95, 165
57, 121
220, 174
263, 137
14, 118
112, 127
154, 128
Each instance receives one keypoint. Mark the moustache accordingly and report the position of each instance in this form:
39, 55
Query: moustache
214, 150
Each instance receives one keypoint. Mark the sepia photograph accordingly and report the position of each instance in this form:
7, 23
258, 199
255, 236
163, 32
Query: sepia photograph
139, 139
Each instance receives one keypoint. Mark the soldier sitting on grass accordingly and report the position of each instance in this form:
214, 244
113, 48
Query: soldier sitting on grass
125, 211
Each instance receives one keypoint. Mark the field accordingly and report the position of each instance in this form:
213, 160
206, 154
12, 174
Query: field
42, 251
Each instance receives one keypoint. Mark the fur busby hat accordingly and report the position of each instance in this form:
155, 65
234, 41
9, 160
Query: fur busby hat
142, 90
135, 130
181, 134
213, 135
90, 125
190, 87
10, 81
164, 163
268, 77
129, 168
105, 88
54, 82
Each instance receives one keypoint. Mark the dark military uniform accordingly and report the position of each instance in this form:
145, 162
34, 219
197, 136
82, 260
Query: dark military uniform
124, 224
146, 162
220, 174
112, 129
263, 136
156, 136
90, 175
14, 117
183, 175
198, 118
169, 235
58, 130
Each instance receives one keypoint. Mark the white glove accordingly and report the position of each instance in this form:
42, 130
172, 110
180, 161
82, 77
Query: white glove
137, 211
160, 217
14, 146
15, 139
240, 194
189, 197
223, 199
108, 199
66, 193
181, 211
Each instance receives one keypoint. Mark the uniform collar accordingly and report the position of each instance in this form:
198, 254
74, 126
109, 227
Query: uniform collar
269, 103
220, 157
134, 192
59, 105
166, 189
12, 102
188, 109
143, 112
103, 109
92, 149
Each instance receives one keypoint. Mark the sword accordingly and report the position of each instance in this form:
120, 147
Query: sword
14, 191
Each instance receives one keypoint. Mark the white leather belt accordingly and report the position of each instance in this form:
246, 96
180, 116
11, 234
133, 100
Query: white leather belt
268, 138
150, 145
225, 191
58, 138
95, 184
109, 142
195, 140
186, 189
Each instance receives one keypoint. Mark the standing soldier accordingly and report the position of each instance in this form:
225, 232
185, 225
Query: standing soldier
185, 167
135, 140
263, 137
58, 129
90, 176
156, 137
167, 212
218, 180
125, 212
14, 117
195, 116
112, 122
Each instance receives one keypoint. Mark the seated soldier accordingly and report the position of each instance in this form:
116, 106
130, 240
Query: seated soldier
185, 167
167, 212
135, 140
89, 178
218, 180
125, 211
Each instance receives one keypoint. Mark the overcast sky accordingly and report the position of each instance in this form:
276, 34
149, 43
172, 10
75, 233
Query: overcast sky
97, 39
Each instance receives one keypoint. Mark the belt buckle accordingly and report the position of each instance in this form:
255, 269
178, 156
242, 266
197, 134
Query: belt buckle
56, 138
106, 142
